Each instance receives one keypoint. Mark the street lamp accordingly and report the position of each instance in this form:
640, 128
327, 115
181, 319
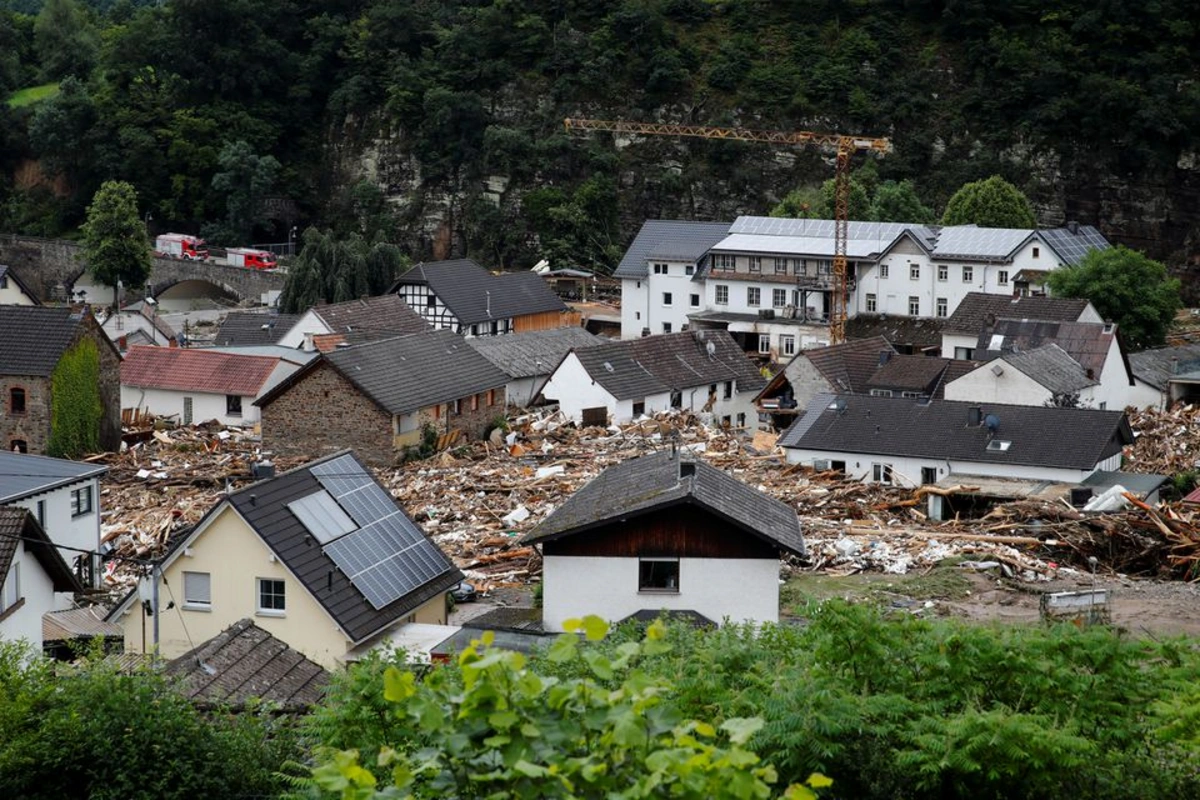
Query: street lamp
291, 240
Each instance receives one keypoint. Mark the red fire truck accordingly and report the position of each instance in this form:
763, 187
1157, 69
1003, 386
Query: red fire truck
249, 258
180, 245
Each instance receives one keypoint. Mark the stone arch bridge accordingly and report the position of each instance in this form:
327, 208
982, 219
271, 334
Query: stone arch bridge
50, 268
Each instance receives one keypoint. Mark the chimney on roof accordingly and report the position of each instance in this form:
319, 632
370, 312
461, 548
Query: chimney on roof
687, 469
1174, 365
974, 417
1073, 227
884, 357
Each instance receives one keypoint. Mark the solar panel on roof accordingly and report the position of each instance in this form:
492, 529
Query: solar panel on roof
323, 518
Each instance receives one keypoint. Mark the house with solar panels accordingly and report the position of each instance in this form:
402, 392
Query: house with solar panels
321, 557
769, 281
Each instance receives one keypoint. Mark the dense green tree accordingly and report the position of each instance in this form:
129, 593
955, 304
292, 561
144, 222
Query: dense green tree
334, 269
898, 202
67, 40
990, 203
61, 130
245, 179
75, 407
115, 243
1126, 287
802, 203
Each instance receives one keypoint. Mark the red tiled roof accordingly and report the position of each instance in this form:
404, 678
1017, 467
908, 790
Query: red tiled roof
196, 370
1193, 496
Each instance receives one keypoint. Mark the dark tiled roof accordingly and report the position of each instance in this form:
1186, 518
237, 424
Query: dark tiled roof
525, 355
849, 366
18, 522
1052, 367
244, 663
10, 273
916, 332
635, 368
955, 368
242, 328
475, 295
78, 623
23, 474
651, 482
1068, 438
1086, 342
384, 313
669, 239
908, 373
411, 372
1156, 366
33, 338
977, 309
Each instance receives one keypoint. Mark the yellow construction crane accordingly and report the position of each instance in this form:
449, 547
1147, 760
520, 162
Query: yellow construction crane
842, 144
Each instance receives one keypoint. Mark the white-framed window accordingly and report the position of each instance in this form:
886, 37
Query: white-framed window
764, 344
81, 501
658, 575
871, 303
779, 298
667, 299
694, 300
754, 263
914, 306
781, 266
725, 261
798, 267
197, 591
1002, 277
942, 307
12, 587
883, 270
272, 600
968, 274
914, 272
787, 345
661, 269
722, 294
824, 267
882, 473
753, 296
881, 393
689, 269
666, 327
943, 272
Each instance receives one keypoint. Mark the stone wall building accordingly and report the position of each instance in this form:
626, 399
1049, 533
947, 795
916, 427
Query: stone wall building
379, 398
33, 339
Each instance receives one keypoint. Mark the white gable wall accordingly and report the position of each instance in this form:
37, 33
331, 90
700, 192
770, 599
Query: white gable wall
81, 532
299, 336
738, 589
634, 313
573, 389
205, 406
36, 588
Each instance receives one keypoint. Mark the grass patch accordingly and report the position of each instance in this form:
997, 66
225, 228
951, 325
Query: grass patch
944, 582
32, 94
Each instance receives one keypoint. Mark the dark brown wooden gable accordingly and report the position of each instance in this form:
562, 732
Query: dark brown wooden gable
684, 531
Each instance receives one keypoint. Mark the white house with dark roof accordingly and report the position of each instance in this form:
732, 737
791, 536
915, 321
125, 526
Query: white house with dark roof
321, 557
907, 442
1172, 372
978, 310
370, 317
13, 291
698, 371
1035, 377
665, 532
138, 324
32, 575
529, 358
64, 498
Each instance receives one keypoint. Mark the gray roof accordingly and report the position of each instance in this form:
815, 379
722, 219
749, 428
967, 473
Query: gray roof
244, 663
33, 338
23, 475
884, 232
979, 309
669, 239
972, 243
383, 313
10, 273
1140, 484
1087, 343
1066, 438
412, 372
651, 482
1052, 367
475, 295
635, 368
1074, 241
241, 328
291, 354
920, 333
525, 355
1157, 366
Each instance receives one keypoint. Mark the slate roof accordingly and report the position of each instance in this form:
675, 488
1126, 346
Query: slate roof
526, 355
244, 663
196, 370
386, 312
242, 328
849, 366
669, 239
1067, 438
78, 623
917, 332
33, 338
1086, 342
23, 475
10, 273
635, 368
1157, 366
651, 482
1052, 367
977, 309
909, 373
18, 527
475, 295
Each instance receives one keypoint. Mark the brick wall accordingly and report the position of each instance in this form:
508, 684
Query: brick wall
323, 413
473, 422
32, 427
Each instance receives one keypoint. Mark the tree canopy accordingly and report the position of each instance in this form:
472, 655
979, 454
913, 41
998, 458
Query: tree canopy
115, 242
990, 203
1126, 287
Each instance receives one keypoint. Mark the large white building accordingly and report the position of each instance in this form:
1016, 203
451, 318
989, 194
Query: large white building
769, 281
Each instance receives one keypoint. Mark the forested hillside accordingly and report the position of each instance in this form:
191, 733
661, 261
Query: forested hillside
438, 123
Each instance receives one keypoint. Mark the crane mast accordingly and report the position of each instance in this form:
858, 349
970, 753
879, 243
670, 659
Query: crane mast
844, 146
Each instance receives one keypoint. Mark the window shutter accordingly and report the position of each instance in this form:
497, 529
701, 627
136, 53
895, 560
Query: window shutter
197, 588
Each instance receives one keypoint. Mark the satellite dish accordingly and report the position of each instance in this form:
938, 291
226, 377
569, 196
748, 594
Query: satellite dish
992, 422
711, 348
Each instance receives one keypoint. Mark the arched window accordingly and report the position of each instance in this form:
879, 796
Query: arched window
16, 401
19, 446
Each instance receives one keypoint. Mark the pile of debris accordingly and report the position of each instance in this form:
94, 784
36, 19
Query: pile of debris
1166, 443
